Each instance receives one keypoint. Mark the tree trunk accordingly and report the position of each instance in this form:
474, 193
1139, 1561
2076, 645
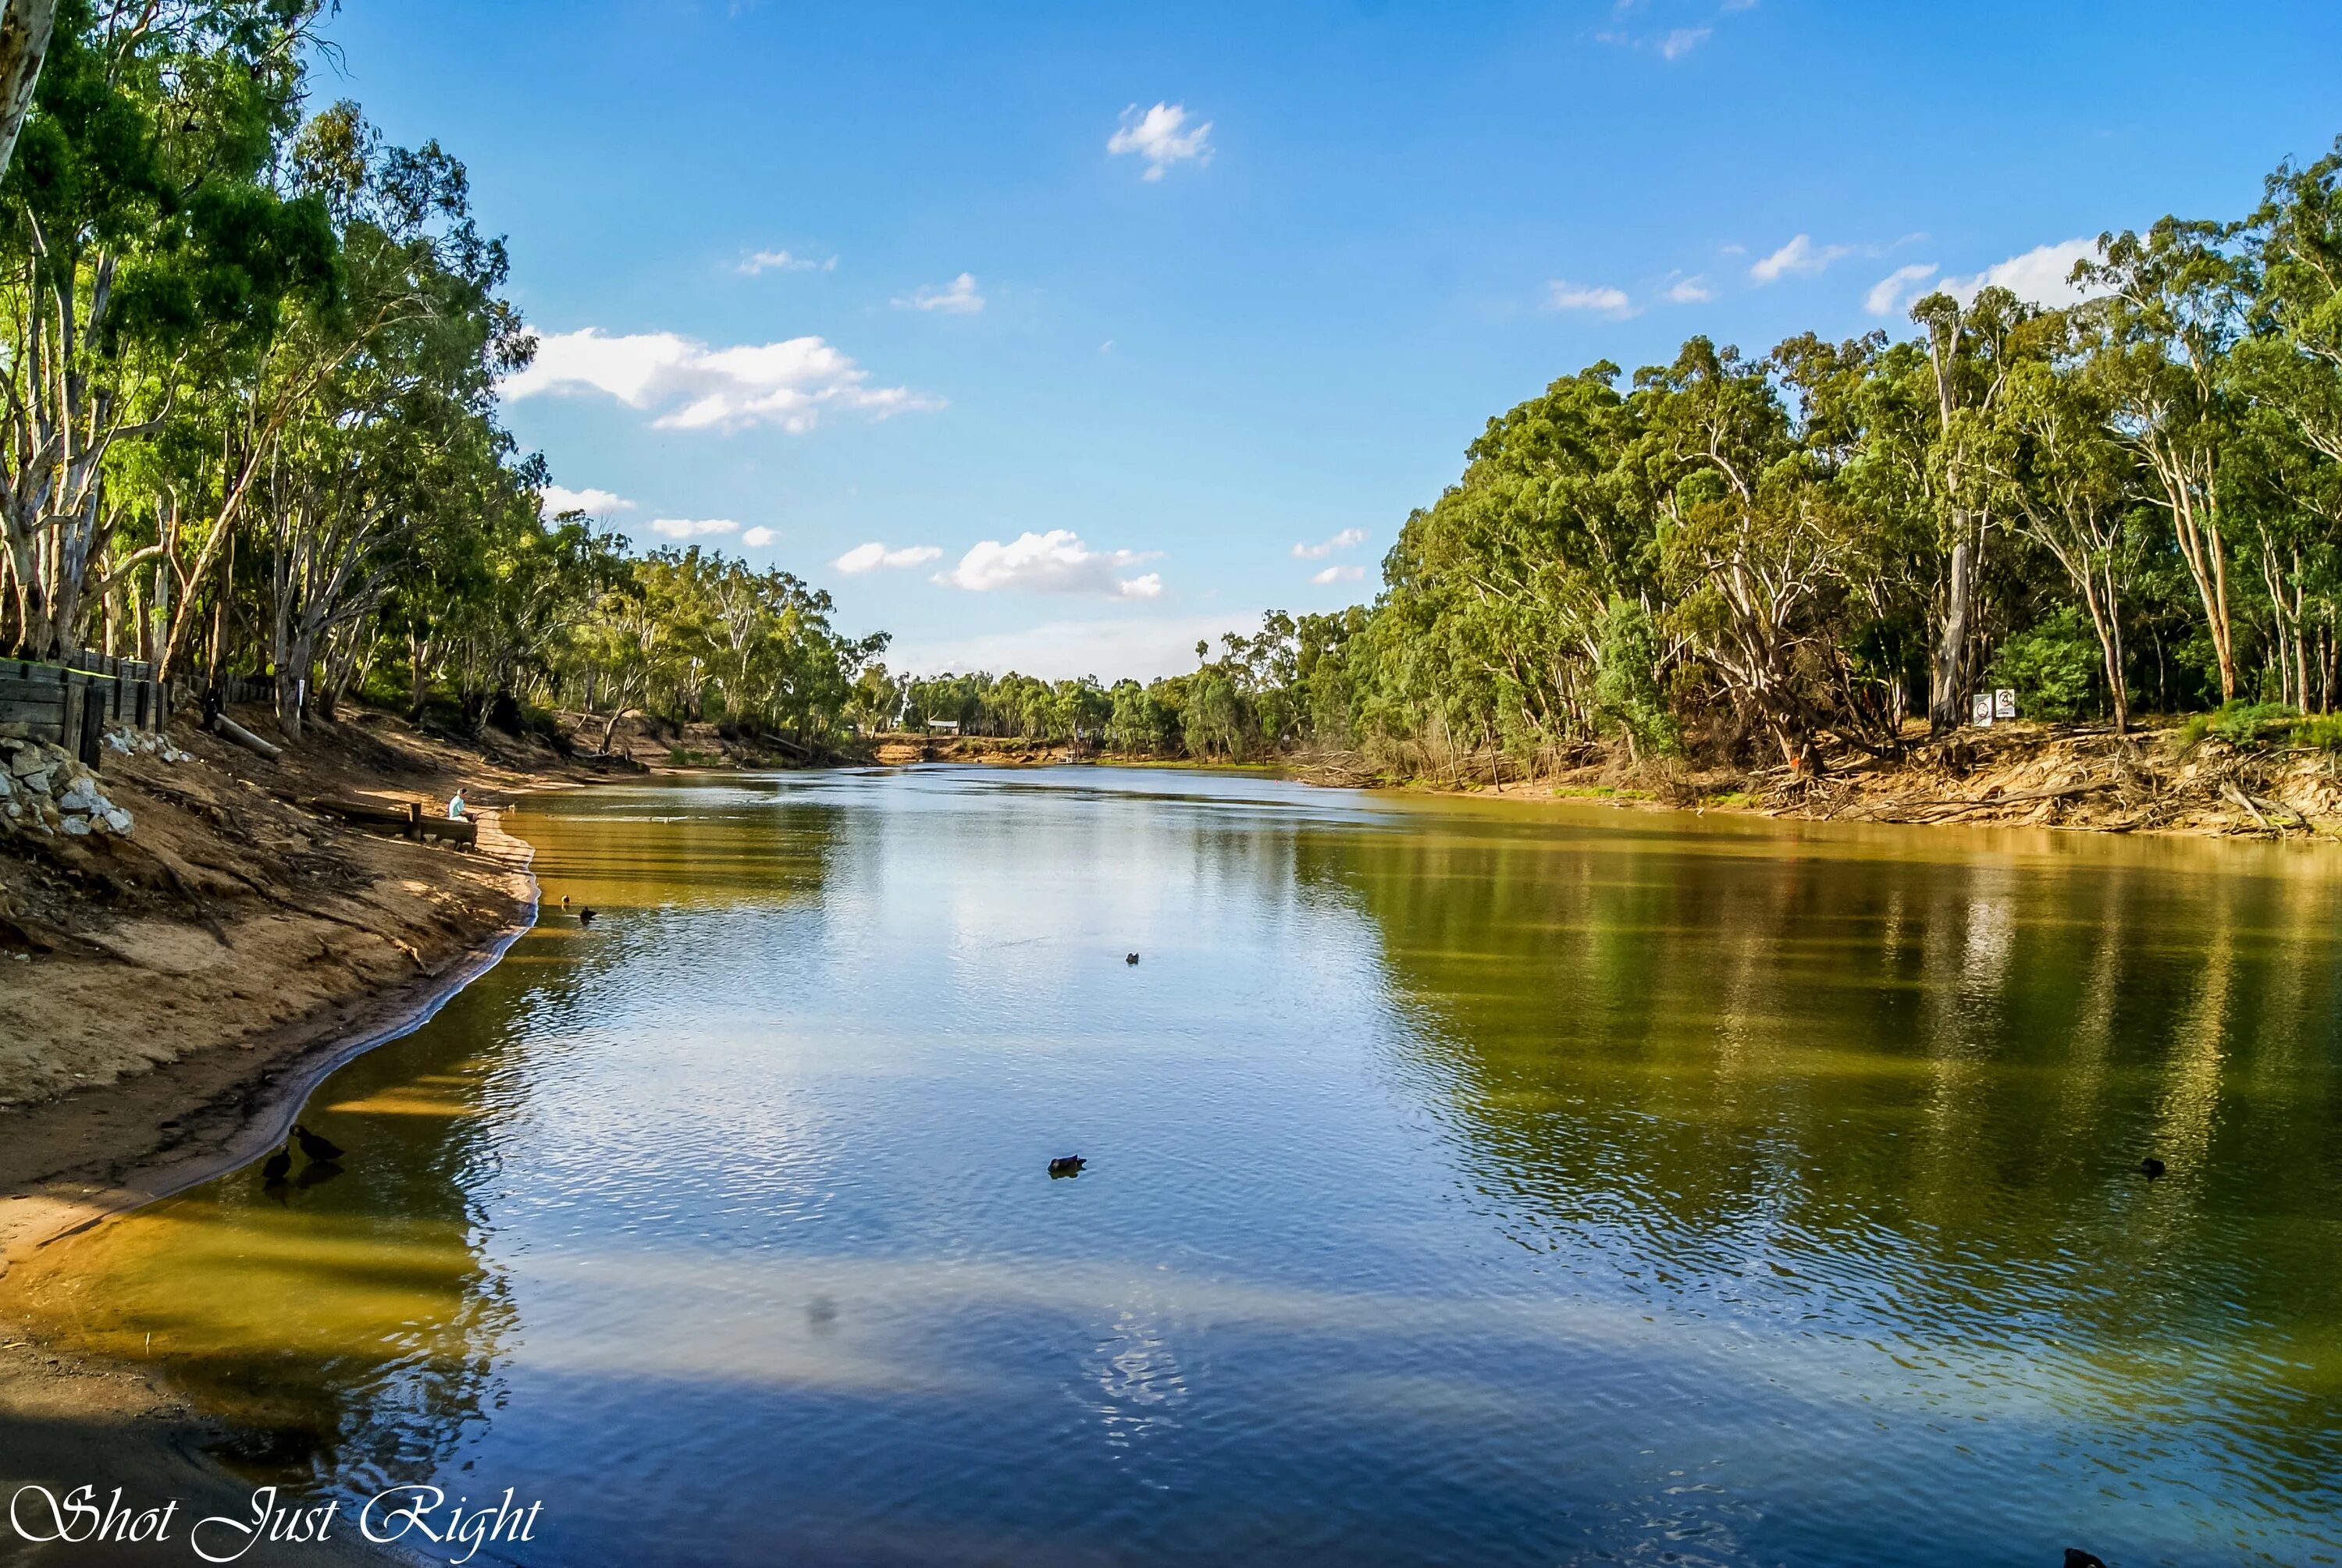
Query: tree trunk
293, 671
25, 27
1944, 693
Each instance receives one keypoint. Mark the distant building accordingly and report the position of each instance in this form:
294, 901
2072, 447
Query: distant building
942, 727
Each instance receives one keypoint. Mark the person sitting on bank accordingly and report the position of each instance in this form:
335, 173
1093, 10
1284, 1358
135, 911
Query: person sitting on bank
455, 806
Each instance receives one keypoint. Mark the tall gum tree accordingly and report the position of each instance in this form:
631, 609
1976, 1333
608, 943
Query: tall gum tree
2174, 310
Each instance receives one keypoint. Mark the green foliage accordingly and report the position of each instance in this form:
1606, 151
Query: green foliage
2243, 724
2054, 666
1625, 682
2319, 732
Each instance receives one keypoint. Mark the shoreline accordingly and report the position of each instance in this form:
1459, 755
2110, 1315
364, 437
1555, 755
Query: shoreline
153, 1123
68, 1419
268, 1101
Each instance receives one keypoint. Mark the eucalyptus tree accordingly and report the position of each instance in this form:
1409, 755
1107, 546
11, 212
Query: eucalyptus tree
2175, 307
24, 29
2062, 476
139, 236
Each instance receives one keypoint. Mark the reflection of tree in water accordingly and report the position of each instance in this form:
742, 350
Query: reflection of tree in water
1881, 1098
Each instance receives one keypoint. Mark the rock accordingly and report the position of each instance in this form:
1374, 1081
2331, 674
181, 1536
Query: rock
75, 827
6, 789
38, 782
81, 796
118, 820
28, 760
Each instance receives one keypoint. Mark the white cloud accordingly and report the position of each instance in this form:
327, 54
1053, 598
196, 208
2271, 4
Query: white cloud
1140, 643
1690, 291
693, 527
788, 383
1560, 296
1897, 288
1800, 256
1057, 561
958, 297
1156, 135
1347, 539
555, 499
782, 261
870, 557
759, 537
1339, 575
2038, 276
1682, 41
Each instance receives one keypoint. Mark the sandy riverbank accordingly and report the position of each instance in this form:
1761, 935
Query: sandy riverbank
194, 984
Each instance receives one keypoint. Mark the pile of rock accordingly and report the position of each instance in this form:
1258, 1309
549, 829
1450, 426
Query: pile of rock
44, 790
133, 743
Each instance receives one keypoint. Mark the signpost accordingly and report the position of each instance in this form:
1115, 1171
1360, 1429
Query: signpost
2004, 703
1980, 710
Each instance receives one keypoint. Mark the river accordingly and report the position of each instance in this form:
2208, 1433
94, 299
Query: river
1466, 1182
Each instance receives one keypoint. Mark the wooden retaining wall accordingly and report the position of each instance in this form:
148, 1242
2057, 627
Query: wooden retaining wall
72, 704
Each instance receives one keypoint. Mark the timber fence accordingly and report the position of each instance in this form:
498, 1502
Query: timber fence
70, 703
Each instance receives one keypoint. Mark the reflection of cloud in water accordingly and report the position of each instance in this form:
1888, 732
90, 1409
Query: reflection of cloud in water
729, 1322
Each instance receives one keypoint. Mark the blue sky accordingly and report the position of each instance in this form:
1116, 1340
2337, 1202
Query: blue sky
1089, 371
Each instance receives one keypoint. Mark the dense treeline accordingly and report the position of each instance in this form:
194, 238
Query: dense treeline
250, 428
2132, 502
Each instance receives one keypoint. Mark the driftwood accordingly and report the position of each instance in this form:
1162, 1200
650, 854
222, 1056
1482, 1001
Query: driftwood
2261, 809
228, 729
405, 818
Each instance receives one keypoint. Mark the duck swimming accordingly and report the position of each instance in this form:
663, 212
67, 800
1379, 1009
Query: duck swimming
272, 1171
316, 1147
586, 917
2150, 1167
1130, 958
1066, 1165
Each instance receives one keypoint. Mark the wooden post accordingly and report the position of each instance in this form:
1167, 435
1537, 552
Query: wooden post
415, 821
92, 726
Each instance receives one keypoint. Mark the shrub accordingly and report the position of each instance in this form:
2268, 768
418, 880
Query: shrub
2324, 733
2055, 666
2242, 724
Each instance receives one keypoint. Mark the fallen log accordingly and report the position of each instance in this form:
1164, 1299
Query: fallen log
229, 730
404, 818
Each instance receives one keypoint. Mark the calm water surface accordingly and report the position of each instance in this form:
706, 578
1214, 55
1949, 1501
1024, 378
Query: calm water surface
1469, 1183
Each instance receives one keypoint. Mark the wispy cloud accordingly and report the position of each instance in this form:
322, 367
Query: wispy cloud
555, 499
875, 556
784, 261
1348, 538
2040, 274
1800, 258
1690, 291
693, 527
1897, 288
1057, 561
1563, 295
759, 537
791, 384
1337, 574
958, 297
1161, 137
1682, 41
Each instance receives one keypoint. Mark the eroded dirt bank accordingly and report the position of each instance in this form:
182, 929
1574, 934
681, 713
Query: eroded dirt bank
168, 997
